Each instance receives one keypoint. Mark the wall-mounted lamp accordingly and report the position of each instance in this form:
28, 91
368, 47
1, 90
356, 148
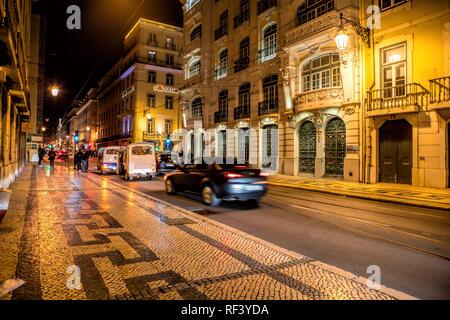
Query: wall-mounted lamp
341, 37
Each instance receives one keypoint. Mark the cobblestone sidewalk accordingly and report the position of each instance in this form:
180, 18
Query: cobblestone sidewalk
128, 246
404, 194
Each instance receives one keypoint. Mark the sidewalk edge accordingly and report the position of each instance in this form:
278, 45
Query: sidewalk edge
366, 197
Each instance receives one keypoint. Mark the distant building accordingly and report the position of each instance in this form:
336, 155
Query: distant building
138, 97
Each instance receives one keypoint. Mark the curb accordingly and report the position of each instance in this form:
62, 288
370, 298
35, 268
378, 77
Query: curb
366, 197
348, 275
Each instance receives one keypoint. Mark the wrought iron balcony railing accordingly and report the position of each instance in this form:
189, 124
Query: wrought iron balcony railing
440, 89
244, 16
242, 112
268, 107
264, 5
220, 32
241, 64
170, 46
267, 53
397, 96
220, 116
154, 62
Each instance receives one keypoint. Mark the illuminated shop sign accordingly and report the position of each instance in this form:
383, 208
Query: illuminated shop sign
164, 89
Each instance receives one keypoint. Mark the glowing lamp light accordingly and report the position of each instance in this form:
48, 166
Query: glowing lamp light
149, 116
341, 39
55, 91
43, 129
395, 57
88, 129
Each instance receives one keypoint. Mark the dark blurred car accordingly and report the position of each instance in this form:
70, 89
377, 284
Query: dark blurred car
63, 155
217, 182
164, 163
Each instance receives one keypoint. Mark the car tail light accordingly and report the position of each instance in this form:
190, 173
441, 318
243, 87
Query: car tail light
264, 174
233, 175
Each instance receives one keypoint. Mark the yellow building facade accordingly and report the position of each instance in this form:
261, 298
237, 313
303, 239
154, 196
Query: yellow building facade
153, 57
407, 103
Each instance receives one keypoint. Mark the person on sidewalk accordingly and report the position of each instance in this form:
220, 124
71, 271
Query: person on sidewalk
78, 158
41, 154
85, 160
51, 158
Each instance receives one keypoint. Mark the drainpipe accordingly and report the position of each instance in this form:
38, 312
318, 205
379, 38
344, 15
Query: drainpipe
366, 166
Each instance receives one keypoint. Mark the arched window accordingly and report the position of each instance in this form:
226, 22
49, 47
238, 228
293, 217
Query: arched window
196, 33
222, 64
194, 67
322, 72
191, 3
196, 108
269, 43
309, 10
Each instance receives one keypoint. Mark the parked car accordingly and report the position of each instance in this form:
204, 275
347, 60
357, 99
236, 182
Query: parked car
108, 160
216, 182
139, 161
164, 163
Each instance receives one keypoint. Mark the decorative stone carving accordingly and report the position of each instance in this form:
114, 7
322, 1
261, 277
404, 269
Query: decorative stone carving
319, 95
268, 121
243, 124
316, 25
350, 108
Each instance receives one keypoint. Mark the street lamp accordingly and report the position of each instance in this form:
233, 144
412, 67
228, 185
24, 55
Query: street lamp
149, 116
43, 129
341, 37
55, 91
88, 129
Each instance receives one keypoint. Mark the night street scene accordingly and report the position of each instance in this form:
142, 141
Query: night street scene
251, 152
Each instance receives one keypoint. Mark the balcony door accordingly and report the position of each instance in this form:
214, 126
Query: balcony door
393, 71
396, 152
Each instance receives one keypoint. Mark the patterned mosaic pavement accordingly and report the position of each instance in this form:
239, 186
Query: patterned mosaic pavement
126, 246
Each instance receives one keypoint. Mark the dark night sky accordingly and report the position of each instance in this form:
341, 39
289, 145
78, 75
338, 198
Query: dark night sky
72, 55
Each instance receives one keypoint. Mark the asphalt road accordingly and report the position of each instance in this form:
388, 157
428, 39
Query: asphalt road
411, 245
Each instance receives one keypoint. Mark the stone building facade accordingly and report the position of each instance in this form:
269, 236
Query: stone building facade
15, 105
232, 61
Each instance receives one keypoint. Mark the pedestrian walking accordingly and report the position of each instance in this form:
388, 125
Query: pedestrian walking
41, 154
78, 158
85, 159
51, 158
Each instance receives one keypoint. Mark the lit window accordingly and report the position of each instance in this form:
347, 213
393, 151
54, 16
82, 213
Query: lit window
321, 72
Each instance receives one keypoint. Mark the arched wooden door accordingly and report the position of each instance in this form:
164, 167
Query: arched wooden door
335, 143
307, 148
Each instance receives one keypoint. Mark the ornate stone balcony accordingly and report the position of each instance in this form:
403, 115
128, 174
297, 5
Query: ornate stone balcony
319, 98
324, 22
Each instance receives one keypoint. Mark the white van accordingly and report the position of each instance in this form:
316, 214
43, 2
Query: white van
140, 161
108, 160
